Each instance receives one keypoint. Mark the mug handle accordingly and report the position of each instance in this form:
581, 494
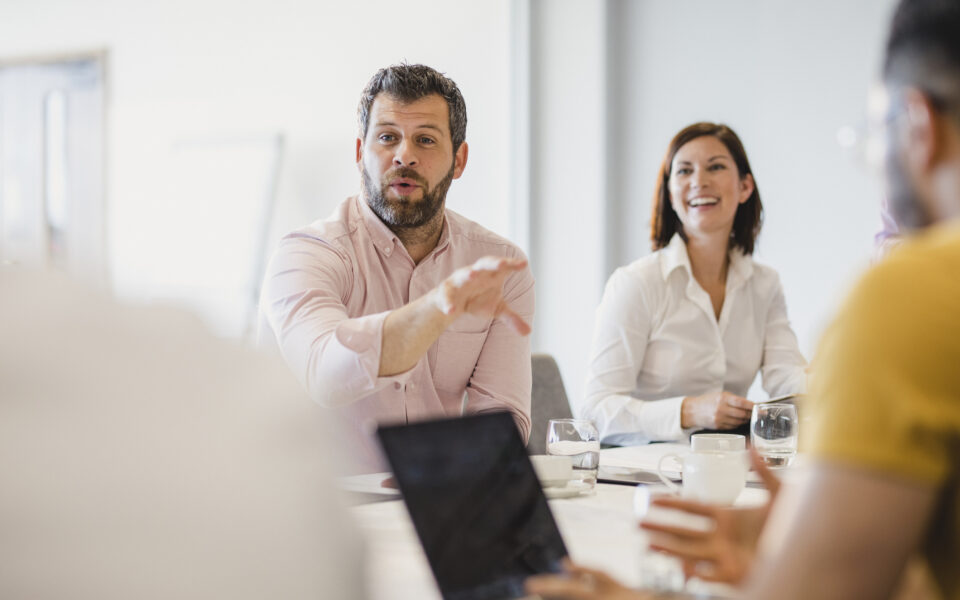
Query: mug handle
671, 485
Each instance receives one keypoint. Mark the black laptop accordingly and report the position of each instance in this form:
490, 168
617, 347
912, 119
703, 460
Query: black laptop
476, 504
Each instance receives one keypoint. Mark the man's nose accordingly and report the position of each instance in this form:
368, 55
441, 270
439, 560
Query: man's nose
405, 156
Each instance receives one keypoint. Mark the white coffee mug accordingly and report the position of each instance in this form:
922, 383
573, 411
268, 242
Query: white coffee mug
718, 442
710, 477
552, 470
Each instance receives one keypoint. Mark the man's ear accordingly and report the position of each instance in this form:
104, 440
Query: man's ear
460, 160
359, 153
924, 140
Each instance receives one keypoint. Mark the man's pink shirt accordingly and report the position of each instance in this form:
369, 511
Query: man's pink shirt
327, 292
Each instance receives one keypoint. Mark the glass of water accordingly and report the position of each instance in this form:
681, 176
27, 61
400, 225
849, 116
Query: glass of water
578, 439
658, 572
773, 432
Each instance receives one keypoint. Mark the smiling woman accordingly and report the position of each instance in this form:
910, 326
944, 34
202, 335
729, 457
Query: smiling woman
719, 156
699, 299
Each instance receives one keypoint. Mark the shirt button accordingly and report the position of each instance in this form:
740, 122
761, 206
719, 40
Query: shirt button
396, 385
387, 250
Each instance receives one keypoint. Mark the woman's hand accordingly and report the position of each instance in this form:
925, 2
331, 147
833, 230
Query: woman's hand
725, 552
580, 583
718, 410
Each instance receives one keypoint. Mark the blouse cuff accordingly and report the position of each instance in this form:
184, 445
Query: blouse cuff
666, 418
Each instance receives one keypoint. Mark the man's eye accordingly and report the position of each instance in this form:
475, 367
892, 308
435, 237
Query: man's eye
386, 137
427, 141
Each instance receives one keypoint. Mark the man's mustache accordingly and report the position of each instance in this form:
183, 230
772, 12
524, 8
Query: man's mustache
405, 173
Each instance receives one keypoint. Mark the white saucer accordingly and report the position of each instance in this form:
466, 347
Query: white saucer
573, 488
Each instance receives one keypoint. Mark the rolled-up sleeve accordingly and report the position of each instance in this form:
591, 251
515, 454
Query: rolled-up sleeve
335, 357
620, 339
502, 378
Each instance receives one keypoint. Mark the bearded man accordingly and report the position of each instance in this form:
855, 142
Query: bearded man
395, 309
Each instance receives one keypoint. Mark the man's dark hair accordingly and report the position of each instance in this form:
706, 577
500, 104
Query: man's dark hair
409, 83
749, 216
923, 51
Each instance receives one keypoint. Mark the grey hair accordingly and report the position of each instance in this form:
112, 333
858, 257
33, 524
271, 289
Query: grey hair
409, 83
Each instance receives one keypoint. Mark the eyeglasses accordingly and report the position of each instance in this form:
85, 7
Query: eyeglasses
867, 143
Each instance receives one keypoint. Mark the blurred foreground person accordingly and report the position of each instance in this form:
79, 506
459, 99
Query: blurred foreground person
141, 458
885, 441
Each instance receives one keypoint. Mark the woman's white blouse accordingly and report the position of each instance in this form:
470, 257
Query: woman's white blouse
657, 341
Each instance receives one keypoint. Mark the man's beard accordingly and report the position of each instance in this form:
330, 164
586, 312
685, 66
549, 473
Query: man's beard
405, 214
905, 206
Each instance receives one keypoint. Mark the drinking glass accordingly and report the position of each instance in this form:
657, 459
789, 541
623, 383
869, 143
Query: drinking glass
580, 440
658, 572
773, 432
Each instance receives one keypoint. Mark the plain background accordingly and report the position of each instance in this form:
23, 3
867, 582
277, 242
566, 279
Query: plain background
571, 105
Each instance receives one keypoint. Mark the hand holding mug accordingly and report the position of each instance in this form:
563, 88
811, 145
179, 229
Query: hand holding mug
723, 552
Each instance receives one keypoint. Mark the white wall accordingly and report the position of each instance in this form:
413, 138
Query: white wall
617, 79
610, 82
194, 69
568, 169
786, 76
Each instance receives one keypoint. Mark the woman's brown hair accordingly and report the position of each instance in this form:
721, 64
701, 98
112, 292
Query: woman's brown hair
749, 218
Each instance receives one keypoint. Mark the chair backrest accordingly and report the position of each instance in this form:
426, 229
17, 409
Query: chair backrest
548, 401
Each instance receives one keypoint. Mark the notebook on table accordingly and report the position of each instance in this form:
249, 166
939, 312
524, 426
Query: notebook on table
476, 504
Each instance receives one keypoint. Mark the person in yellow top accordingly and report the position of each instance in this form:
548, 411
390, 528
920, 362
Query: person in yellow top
883, 485
887, 399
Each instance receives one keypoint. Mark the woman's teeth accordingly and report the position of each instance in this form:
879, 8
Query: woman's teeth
703, 201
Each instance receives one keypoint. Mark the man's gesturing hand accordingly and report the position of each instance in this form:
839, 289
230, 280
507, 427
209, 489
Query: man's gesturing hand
478, 290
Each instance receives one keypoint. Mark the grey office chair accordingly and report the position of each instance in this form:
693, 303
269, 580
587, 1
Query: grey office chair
548, 401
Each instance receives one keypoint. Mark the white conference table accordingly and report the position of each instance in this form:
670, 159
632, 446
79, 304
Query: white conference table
599, 529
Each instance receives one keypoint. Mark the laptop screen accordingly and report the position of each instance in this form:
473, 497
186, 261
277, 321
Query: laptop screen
476, 504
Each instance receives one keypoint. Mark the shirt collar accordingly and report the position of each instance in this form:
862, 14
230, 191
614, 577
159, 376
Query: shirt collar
674, 256
385, 240
741, 265
444, 240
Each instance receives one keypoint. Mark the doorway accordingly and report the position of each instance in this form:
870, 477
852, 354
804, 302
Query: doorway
52, 164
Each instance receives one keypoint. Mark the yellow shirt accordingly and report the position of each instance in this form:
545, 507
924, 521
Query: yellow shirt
886, 385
